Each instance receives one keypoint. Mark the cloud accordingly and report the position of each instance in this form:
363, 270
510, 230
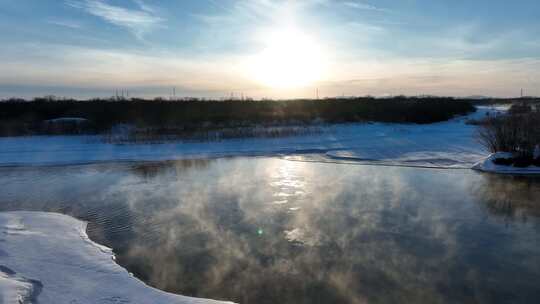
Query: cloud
65, 23
81, 67
138, 21
362, 6
145, 7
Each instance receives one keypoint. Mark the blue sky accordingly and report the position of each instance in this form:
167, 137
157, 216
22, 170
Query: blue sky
265, 48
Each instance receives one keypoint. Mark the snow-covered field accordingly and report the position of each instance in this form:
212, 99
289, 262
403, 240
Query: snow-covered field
446, 144
48, 258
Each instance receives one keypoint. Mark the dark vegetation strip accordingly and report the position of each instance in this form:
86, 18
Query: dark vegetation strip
21, 117
516, 132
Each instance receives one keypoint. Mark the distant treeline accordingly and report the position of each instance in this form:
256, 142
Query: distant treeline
495, 101
22, 117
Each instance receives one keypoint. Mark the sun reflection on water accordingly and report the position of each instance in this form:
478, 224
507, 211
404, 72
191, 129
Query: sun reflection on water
288, 183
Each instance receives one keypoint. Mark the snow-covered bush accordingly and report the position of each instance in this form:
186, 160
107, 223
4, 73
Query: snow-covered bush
517, 133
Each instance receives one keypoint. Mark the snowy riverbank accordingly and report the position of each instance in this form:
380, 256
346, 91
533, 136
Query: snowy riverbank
48, 258
449, 144
488, 165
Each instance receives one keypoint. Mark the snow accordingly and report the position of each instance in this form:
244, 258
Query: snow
15, 289
48, 258
487, 165
449, 144
67, 120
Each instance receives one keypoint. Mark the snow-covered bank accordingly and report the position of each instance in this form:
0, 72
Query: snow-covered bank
445, 144
488, 165
48, 258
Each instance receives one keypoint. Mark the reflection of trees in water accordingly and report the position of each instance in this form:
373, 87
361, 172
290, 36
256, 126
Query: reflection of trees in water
514, 197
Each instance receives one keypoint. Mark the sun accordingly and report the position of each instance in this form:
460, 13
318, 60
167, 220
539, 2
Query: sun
290, 59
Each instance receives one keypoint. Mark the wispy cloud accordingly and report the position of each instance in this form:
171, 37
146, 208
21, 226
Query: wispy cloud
362, 6
83, 67
65, 23
146, 7
138, 21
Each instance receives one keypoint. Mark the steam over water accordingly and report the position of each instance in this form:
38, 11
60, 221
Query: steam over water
268, 230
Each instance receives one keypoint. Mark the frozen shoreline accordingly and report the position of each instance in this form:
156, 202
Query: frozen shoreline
449, 144
487, 165
49, 258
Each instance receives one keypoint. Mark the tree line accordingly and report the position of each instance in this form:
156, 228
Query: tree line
20, 117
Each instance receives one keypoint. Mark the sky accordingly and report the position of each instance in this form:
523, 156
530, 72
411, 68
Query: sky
269, 48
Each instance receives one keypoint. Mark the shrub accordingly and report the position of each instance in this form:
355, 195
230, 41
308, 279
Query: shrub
522, 162
517, 133
520, 108
503, 161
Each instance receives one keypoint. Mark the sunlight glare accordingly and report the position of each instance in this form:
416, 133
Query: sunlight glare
290, 59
